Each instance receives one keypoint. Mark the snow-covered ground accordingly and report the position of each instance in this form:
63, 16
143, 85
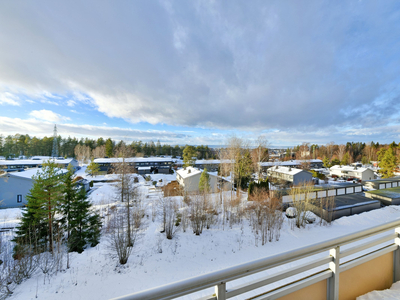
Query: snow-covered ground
95, 274
389, 294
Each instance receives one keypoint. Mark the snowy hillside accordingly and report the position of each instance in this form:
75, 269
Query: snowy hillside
96, 274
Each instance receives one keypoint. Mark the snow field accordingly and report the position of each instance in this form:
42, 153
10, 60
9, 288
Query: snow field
155, 261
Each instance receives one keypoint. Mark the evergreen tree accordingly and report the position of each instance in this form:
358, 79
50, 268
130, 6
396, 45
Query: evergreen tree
204, 182
335, 162
346, 159
327, 163
39, 221
189, 156
82, 226
32, 231
387, 162
109, 147
85, 225
243, 170
92, 169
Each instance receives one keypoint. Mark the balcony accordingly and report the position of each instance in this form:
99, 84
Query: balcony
341, 268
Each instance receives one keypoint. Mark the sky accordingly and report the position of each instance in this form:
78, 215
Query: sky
197, 72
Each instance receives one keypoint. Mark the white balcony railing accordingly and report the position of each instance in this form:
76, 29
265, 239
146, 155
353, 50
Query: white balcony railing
367, 245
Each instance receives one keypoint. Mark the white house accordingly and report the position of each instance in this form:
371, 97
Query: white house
353, 172
14, 186
293, 175
189, 179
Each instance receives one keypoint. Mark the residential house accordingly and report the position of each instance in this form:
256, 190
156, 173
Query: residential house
353, 172
189, 179
292, 175
15, 186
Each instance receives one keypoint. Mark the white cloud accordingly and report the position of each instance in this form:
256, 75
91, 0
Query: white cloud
225, 64
7, 98
71, 102
41, 128
48, 115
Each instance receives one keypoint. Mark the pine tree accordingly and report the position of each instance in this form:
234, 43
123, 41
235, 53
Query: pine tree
32, 231
85, 226
189, 156
387, 162
38, 221
346, 159
204, 182
109, 147
327, 163
93, 169
243, 170
82, 226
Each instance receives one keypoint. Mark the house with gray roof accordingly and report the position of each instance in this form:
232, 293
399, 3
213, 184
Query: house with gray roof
353, 172
16, 165
189, 179
15, 186
292, 175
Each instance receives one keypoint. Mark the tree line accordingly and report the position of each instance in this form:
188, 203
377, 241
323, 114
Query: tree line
387, 156
23, 144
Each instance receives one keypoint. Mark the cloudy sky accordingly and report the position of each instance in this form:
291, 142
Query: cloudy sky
198, 71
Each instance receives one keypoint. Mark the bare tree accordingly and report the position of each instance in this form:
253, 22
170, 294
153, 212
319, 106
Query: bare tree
341, 151
265, 216
197, 213
99, 151
330, 149
126, 188
121, 241
302, 199
82, 153
369, 152
237, 161
260, 153
170, 209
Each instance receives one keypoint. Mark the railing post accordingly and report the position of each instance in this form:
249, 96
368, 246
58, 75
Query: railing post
333, 282
396, 257
220, 291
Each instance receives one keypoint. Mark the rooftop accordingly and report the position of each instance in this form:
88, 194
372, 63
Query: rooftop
188, 171
31, 172
286, 170
35, 161
132, 159
289, 162
349, 168
390, 193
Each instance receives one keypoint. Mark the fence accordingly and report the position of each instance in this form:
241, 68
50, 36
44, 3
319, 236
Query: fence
370, 260
332, 191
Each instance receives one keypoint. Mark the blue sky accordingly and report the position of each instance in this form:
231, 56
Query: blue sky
196, 72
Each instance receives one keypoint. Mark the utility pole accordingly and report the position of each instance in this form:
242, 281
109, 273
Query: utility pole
54, 152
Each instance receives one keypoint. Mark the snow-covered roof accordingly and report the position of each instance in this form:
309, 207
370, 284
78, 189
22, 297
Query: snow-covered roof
132, 159
289, 162
34, 161
286, 170
31, 172
188, 172
211, 161
349, 169
144, 168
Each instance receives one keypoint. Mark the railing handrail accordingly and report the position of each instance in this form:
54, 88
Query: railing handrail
196, 283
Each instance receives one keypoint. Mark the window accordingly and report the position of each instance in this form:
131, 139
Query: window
19, 198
